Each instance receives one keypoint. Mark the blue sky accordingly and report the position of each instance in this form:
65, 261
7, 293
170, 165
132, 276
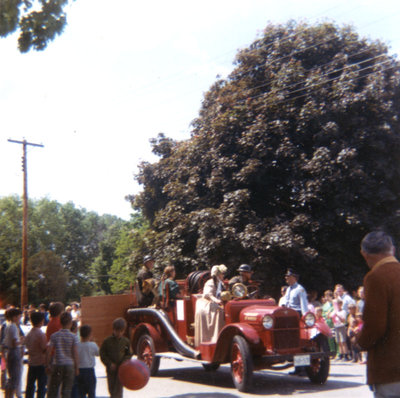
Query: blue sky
122, 72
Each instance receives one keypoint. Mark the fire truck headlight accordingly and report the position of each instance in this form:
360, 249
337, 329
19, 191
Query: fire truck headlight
309, 319
268, 322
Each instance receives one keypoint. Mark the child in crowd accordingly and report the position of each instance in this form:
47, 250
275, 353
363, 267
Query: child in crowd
352, 331
63, 350
75, 312
115, 350
13, 342
327, 308
43, 310
54, 324
362, 354
321, 324
74, 327
3, 351
338, 316
352, 309
36, 343
351, 317
87, 352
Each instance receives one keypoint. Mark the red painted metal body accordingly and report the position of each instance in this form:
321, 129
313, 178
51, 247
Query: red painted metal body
243, 317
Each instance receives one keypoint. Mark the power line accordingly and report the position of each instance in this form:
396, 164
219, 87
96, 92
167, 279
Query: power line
324, 74
238, 75
282, 41
319, 83
354, 79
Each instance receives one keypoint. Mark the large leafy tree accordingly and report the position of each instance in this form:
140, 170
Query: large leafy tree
292, 159
64, 242
37, 22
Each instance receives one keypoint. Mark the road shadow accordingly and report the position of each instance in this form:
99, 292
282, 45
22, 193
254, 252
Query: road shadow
203, 395
264, 382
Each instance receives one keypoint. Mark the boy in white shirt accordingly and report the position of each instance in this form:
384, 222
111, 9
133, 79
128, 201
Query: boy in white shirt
87, 351
338, 316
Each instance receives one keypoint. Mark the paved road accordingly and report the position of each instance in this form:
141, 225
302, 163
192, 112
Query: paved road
187, 379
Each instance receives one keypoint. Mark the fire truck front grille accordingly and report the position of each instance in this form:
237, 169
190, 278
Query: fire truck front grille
286, 333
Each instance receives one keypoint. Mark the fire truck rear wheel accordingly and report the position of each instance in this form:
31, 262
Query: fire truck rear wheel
146, 352
241, 364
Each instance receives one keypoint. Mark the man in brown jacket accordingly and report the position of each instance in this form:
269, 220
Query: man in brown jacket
380, 335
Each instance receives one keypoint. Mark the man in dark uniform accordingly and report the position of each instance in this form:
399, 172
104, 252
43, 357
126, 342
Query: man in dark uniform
145, 273
244, 276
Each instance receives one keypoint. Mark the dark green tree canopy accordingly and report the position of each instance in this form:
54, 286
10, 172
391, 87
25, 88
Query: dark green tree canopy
293, 158
38, 22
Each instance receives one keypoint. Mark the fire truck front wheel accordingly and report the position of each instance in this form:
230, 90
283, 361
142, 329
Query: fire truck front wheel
146, 352
318, 371
241, 364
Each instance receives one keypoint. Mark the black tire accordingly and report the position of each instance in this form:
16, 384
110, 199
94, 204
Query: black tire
241, 364
210, 367
146, 352
318, 371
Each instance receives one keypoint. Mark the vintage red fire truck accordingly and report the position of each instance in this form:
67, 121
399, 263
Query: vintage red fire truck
257, 334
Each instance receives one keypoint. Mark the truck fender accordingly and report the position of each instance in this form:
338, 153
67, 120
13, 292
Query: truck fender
147, 328
225, 338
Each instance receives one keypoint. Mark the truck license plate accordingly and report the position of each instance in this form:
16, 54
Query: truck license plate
301, 360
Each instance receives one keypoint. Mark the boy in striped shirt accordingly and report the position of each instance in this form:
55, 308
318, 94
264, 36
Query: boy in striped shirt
62, 354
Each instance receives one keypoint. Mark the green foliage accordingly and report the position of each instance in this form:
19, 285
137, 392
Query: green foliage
101, 267
47, 278
38, 22
10, 248
293, 158
129, 252
71, 251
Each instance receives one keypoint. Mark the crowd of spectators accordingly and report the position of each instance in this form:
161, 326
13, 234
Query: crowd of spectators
31, 332
342, 313
61, 353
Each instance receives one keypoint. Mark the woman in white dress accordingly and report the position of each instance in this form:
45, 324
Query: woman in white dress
209, 317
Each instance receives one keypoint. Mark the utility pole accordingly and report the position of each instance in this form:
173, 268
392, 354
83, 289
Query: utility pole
24, 270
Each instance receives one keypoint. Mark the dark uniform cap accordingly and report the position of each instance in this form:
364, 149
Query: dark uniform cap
291, 272
244, 268
147, 258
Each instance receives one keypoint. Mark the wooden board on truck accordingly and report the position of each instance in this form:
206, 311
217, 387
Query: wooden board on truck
100, 311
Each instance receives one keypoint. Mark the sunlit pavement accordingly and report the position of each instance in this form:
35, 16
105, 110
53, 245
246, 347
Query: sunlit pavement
189, 380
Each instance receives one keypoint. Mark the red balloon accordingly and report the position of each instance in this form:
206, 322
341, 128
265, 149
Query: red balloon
133, 374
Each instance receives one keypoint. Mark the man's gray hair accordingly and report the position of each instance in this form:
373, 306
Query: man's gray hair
377, 242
